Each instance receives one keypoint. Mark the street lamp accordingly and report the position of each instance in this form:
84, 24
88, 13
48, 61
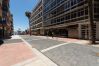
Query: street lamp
90, 9
28, 14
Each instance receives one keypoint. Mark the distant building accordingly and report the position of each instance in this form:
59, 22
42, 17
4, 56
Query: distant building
0, 18
36, 20
68, 18
6, 19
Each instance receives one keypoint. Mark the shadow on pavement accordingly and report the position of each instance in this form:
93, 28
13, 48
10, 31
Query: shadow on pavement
9, 37
96, 43
1, 42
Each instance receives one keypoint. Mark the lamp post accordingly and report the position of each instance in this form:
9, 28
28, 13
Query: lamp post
90, 10
28, 14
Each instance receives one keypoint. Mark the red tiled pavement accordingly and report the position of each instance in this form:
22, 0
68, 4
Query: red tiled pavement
14, 53
70, 40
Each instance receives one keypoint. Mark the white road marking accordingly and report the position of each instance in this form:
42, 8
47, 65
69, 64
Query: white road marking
50, 48
42, 57
34, 39
25, 42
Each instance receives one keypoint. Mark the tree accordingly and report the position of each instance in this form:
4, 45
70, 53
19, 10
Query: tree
28, 14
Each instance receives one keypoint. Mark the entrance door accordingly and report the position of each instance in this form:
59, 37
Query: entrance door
85, 31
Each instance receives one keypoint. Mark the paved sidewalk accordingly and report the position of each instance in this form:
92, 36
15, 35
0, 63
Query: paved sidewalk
71, 40
20, 54
68, 40
14, 53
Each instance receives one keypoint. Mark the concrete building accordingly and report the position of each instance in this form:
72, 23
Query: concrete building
36, 19
6, 19
67, 18
70, 18
0, 18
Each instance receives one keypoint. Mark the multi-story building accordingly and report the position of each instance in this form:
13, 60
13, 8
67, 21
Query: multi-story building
36, 19
0, 18
70, 18
6, 20
9, 27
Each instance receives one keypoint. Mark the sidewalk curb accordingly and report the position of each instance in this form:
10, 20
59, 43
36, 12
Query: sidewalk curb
45, 59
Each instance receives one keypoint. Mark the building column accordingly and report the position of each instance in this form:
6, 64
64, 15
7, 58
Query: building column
79, 30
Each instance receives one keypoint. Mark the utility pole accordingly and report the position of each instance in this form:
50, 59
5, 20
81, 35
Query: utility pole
90, 11
28, 14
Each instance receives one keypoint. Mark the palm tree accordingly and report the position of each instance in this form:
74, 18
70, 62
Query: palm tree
90, 9
28, 14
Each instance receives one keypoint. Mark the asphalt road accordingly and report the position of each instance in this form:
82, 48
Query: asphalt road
64, 54
41, 43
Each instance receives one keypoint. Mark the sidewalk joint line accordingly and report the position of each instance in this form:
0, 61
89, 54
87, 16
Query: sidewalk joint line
40, 54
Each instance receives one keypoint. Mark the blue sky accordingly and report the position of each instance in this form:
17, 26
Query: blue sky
18, 8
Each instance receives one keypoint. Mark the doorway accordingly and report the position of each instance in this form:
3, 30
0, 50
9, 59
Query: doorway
85, 31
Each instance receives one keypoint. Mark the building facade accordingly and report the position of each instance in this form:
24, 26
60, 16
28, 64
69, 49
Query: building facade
6, 20
70, 18
36, 19
67, 18
0, 18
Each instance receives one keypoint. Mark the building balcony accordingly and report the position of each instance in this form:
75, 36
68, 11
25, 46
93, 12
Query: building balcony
5, 8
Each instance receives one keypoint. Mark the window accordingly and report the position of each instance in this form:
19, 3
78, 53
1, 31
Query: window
52, 21
86, 12
62, 19
67, 16
96, 10
68, 4
58, 1
73, 2
53, 4
73, 15
65, 6
79, 1
58, 20
80, 13
96, 16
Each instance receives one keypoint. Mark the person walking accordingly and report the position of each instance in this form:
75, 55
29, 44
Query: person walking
52, 34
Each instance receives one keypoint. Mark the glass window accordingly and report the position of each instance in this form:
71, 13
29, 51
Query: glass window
58, 20
65, 6
73, 15
62, 18
79, 1
86, 12
73, 2
68, 4
68, 16
58, 1
80, 13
